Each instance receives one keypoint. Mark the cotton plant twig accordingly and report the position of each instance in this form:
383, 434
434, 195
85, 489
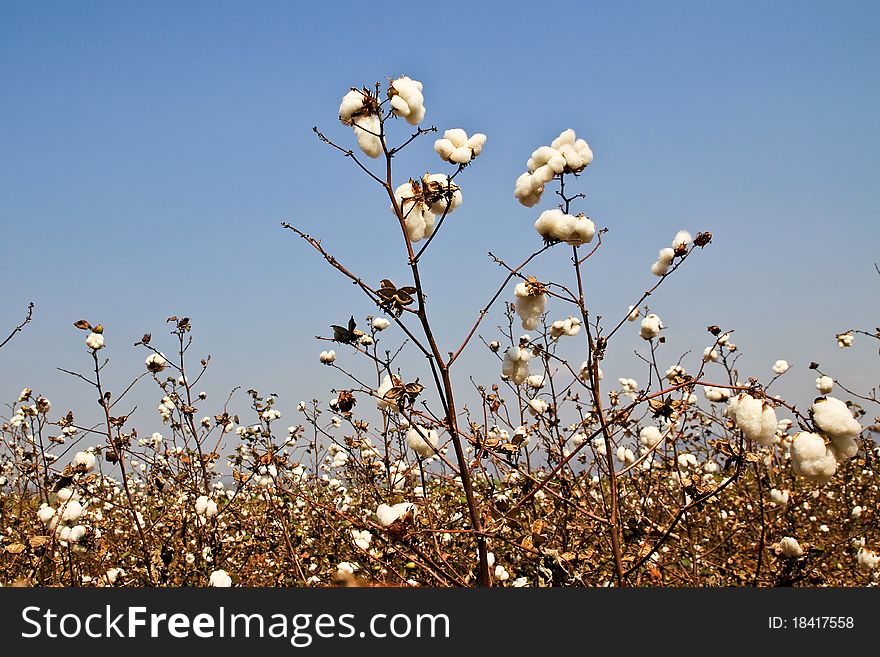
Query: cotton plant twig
17, 329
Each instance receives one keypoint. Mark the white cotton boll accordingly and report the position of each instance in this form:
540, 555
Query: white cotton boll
538, 407
687, 461
580, 230
72, 511
650, 327
779, 497
527, 190
516, 365
385, 404
380, 323
834, 419
220, 579
710, 355
572, 158
844, 448
367, 128
352, 102
76, 534
659, 268
95, 341
666, 256
65, 494
546, 223
441, 194
811, 458
625, 455
85, 460
422, 441
45, 513
780, 367
756, 418
633, 314
529, 306
556, 164
650, 436
155, 363
536, 381
791, 549
407, 99
856, 512
566, 137
867, 559
387, 515
824, 384
557, 329
682, 239
327, 357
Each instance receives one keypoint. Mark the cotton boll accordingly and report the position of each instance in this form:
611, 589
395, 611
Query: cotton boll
72, 511
710, 355
790, 548
95, 341
633, 314
844, 448
542, 175
834, 419
352, 102
155, 363
457, 137
536, 381
779, 497
387, 515
516, 365
422, 441
527, 190
407, 100
581, 230
530, 304
650, 327
366, 129
65, 494
220, 579
650, 436
327, 357
440, 194
867, 560
780, 367
625, 455
659, 268
86, 461
756, 418
76, 534
380, 323
681, 240
546, 223
538, 407
585, 153
45, 513
811, 458
461, 155
824, 384
845, 340
386, 404
540, 157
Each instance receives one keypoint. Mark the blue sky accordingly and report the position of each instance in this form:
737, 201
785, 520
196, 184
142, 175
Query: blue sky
151, 150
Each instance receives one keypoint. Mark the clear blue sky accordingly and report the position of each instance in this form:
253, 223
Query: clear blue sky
150, 151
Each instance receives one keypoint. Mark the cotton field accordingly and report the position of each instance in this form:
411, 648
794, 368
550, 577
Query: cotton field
542, 472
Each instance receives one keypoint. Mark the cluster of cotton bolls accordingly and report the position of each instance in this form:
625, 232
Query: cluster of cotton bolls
420, 203
205, 507
531, 302
422, 441
811, 457
557, 226
570, 327
456, 147
755, 417
667, 255
65, 520
566, 154
360, 110
790, 548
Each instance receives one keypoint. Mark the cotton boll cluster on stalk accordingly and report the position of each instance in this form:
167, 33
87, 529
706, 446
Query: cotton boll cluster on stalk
667, 255
382, 403
845, 340
779, 497
650, 327
206, 507
811, 458
756, 418
835, 421
95, 341
569, 327
155, 363
531, 300
456, 147
566, 154
422, 441
380, 323
556, 226
421, 201
360, 110
516, 364
650, 436
327, 357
